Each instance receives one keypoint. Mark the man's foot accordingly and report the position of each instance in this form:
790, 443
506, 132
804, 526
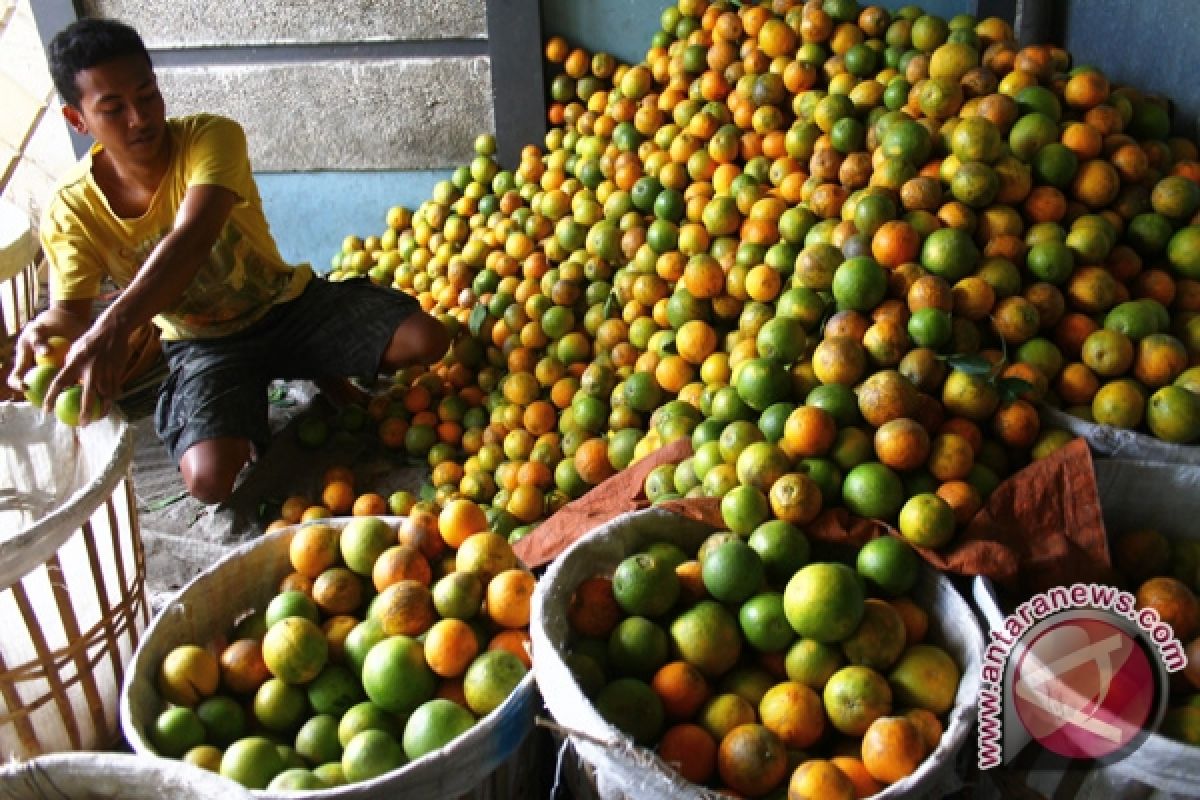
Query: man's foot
342, 392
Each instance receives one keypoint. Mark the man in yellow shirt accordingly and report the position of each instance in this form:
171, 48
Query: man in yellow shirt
169, 211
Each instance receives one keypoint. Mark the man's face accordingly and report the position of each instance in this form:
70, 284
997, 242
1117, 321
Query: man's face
121, 108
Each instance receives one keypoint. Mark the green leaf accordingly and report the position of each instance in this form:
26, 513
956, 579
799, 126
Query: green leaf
1013, 388
427, 492
479, 315
279, 397
970, 363
610, 304
163, 502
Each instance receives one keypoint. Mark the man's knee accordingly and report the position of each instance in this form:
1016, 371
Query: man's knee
420, 339
208, 488
210, 468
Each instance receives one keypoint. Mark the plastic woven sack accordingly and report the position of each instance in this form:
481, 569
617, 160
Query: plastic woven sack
1106, 440
113, 776
621, 769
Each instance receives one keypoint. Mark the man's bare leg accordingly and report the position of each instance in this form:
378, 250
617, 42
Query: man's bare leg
210, 467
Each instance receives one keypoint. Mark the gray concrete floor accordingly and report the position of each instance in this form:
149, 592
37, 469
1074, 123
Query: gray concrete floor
183, 536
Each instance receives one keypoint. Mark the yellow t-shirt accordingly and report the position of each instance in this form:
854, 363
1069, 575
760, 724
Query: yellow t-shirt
245, 276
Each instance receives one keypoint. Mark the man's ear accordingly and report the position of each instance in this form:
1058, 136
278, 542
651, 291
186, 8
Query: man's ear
74, 118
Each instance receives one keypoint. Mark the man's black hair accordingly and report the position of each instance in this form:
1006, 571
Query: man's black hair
85, 43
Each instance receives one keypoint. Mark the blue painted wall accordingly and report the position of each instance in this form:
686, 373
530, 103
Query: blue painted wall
620, 27
311, 212
1148, 45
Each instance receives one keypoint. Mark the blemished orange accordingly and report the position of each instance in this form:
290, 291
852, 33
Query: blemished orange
752, 760
400, 562
593, 610
1017, 424
337, 590
405, 607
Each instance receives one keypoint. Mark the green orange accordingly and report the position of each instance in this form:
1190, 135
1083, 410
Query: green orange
824, 601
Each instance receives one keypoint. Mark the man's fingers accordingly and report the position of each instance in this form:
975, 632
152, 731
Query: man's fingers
92, 401
22, 363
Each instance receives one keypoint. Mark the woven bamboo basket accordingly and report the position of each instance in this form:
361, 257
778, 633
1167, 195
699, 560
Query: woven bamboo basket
72, 580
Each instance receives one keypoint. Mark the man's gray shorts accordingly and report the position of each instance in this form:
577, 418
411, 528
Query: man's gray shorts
218, 387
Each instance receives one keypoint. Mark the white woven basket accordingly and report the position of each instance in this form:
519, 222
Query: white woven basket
1133, 495
1106, 440
72, 580
621, 770
248, 578
113, 776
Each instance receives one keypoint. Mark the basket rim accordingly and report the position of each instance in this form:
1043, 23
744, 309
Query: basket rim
81, 769
29, 548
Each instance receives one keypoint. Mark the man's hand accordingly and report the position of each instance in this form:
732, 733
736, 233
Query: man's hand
68, 319
96, 360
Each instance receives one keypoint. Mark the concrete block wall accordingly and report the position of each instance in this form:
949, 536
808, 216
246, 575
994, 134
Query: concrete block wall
349, 109
363, 85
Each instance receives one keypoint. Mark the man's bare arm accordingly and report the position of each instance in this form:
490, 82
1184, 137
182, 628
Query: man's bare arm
97, 358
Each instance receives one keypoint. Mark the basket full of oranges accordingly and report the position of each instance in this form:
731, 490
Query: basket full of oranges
682, 662
344, 656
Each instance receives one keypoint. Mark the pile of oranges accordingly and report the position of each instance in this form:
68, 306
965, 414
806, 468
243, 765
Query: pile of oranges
847, 251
